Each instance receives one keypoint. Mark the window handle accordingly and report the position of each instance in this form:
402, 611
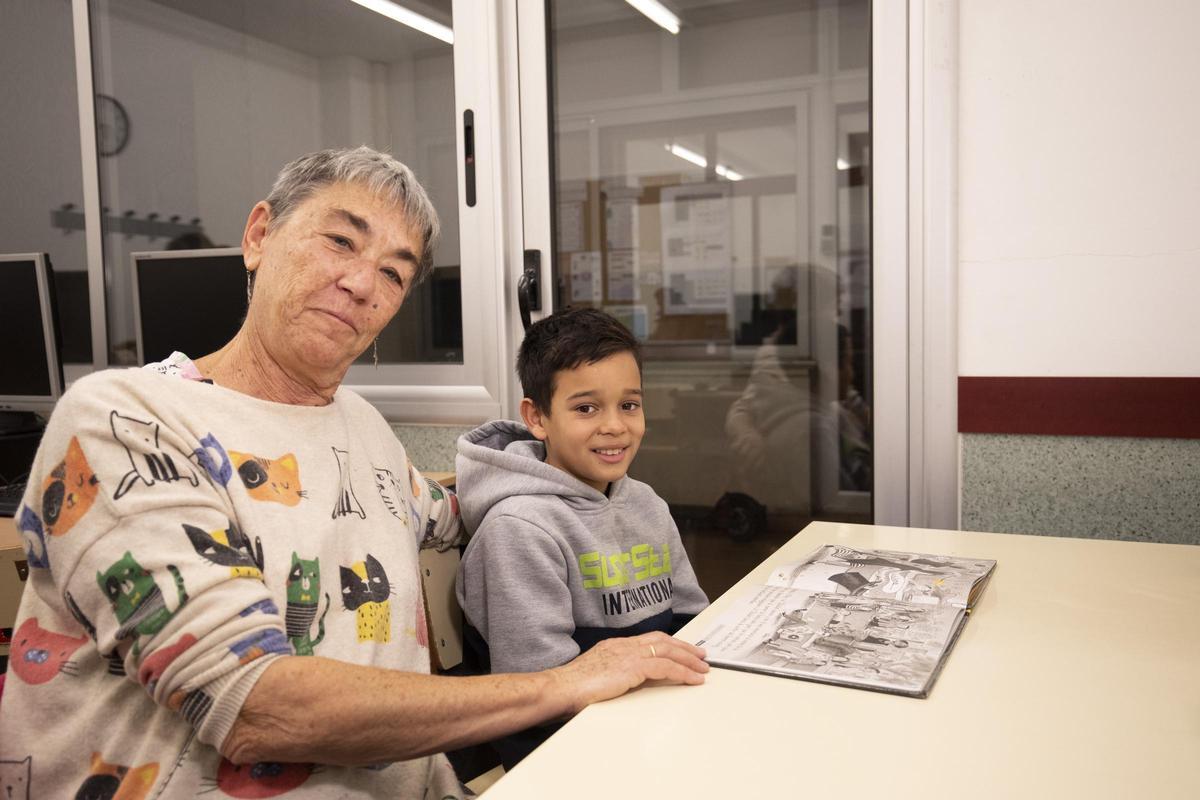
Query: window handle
529, 286
469, 154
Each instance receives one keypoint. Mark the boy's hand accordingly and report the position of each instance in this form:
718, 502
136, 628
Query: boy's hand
614, 666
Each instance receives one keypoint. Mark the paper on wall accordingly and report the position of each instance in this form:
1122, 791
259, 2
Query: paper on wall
585, 277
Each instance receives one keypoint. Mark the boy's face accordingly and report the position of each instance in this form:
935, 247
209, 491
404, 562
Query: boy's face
595, 422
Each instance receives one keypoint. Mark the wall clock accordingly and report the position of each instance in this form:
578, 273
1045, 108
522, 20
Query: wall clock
112, 125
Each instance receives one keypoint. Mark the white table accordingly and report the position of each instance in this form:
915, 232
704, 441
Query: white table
1078, 675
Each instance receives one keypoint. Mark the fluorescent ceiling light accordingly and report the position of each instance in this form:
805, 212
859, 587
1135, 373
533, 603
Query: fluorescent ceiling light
693, 157
410, 18
659, 14
727, 173
687, 155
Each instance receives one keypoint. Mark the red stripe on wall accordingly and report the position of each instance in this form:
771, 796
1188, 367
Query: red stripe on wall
1158, 407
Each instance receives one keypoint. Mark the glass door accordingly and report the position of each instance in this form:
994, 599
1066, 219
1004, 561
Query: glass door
709, 184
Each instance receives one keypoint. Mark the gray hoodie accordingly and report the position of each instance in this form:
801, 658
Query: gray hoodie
553, 565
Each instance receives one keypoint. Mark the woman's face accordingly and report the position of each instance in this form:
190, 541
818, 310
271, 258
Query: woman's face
329, 277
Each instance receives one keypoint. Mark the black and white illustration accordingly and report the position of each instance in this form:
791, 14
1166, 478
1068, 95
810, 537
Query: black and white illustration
150, 464
347, 503
870, 619
885, 575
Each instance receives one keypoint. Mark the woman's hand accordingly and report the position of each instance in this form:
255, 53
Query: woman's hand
614, 666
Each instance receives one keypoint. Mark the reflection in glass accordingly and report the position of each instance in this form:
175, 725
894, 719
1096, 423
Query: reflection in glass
218, 96
712, 191
41, 205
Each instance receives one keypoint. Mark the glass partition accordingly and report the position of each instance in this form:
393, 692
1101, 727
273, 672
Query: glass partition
41, 204
712, 190
200, 103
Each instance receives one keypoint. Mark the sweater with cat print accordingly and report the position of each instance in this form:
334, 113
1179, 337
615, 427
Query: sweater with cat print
181, 536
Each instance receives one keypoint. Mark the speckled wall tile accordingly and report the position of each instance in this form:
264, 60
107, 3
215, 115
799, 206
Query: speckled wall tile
431, 447
1085, 486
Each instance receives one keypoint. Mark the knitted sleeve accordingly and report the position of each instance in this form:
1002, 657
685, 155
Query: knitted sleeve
438, 521
130, 519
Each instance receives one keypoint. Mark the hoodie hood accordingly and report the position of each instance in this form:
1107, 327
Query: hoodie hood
501, 459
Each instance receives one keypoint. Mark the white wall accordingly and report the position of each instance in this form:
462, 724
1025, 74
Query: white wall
1079, 193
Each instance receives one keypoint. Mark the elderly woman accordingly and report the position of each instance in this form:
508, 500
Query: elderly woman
223, 587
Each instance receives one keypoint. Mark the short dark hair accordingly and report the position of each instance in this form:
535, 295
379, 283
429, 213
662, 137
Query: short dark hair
565, 340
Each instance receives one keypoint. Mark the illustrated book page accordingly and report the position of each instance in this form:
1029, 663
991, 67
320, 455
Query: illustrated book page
872, 619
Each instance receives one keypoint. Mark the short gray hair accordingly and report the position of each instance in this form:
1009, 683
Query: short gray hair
381, 174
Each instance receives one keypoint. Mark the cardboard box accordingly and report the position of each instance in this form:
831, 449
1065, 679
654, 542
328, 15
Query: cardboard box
13, 571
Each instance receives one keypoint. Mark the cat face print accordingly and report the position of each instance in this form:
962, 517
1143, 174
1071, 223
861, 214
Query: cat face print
136, 599
38, 654
106, 781
211, 456
264, 779
365, 591
69, 491
33, 537
303, 601
365, 582
229, 548
14, 778
128, 586
150, 464
270, 480
304, 581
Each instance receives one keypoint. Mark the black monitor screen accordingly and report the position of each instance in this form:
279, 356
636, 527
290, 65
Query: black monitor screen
191, 303
447, 312
24, 371
74, 317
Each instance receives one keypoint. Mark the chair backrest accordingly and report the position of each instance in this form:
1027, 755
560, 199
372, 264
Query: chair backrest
438, 571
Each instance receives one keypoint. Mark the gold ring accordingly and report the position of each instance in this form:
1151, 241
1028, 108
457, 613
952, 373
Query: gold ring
653, 654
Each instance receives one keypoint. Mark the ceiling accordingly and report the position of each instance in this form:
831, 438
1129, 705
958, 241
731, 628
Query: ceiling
323, 28
581, 13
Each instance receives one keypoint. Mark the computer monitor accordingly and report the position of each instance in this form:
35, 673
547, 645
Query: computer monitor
74, 317
445, 306
30, 372
193, 301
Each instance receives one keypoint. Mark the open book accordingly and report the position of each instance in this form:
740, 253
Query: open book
872, 619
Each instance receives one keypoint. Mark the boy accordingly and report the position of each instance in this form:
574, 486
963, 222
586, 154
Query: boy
566, 550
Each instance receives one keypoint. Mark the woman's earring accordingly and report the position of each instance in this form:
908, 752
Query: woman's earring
376, 352
249, 290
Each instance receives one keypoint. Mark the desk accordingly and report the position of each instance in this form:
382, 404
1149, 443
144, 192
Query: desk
444, 478
1078, 675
